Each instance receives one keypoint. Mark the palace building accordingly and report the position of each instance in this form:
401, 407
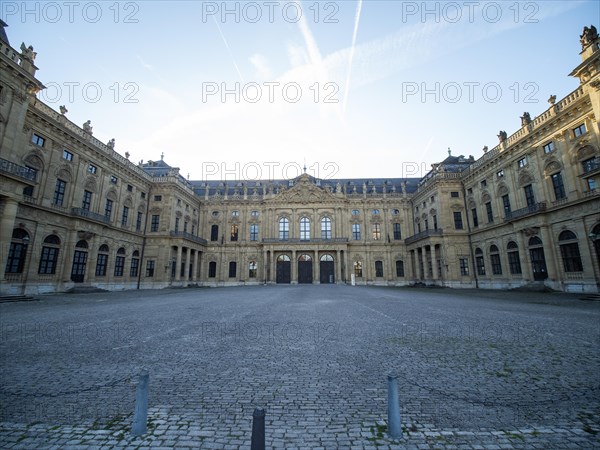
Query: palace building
76, 214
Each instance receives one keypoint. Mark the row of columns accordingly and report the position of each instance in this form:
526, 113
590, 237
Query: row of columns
420, 262
189, 254
270, 263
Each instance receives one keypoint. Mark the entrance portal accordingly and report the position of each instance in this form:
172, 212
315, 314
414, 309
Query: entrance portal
284, 269
305, 269
327, 269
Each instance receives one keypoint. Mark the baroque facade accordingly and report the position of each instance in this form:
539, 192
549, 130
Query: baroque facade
75, 213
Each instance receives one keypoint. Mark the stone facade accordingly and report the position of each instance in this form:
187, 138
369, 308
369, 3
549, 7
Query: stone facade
77, 213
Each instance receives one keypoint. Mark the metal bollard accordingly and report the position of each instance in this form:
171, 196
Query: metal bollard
394, 428
140, 417
258, 430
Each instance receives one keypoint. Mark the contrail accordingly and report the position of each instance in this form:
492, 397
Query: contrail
356, 21
229, 50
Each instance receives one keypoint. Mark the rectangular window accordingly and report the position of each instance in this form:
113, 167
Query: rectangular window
129, 188
559, 187
138, 222
358, 269
379, 269
458, 223
483, 183
496, 265
500, 173
154, 223
506, 204
125, 216
589, 165
87, 200
254, 232
592, 184
397, 232
571, 257
376, 232
158, 198
529, 196
549, 147
67, 155
212, 269
580, 130
150, 268
101, 264
464, 267
36, 139
232, 269
475, 219
133, 271
304, 229
143, 195
176, 224
522, 162
185, 226
59, 192
92, 168
356, 231
399, 268
514, 263
48, 260
454, 194
435, 225
113, 179
214, 233
490, 213
234, 233
119, 265
108, 208
16, 258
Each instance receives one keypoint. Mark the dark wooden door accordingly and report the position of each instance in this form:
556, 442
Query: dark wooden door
79, 263
327, 272
538, 264
284, 272
305, 272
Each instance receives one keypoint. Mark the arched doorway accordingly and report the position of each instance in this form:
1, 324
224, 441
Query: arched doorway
305, 268
327, 269
79, 262
538, 260
284, 272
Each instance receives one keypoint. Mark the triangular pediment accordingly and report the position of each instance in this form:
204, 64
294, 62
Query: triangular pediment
304, 191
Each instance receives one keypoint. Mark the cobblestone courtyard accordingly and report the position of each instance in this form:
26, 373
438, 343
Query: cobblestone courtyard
477, 369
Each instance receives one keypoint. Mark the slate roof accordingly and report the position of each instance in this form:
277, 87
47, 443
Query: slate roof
3, 36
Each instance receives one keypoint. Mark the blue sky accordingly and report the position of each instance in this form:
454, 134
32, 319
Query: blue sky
152, 74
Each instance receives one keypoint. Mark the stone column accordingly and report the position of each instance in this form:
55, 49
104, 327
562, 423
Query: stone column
316, 267
434, 264
273, 262
178, 264
265, 264
294, 268
549, 253
186, 264
7, 223
424, 259
526, 269
338, 268
195, 267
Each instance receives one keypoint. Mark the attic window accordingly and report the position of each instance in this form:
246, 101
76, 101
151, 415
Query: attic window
454, 194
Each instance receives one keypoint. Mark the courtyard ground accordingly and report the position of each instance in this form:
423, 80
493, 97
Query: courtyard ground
476, 369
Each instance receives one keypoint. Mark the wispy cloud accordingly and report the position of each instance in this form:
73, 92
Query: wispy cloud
261, 66
351, 57
228, 49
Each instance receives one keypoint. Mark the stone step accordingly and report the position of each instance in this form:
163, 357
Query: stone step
14, 298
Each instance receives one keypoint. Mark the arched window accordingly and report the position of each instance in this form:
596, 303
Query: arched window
495, 260
358, 269
325, 228
17, 251
283, 258
102, 261
232, 269
400, 268
214, 233
120, 262
305, 258
327, 258
534, 241
135, 264
284, 229
304, 229
252, 269
212, 269
514, 262
569, 250
479, 263
49, 257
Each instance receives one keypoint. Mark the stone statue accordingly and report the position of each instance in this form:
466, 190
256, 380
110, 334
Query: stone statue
127, 154
87, 127
111, 144
28, 53
525, 119
63, 109
338, 187
588, 37
502, 136
404, 187
552, 99
485, 149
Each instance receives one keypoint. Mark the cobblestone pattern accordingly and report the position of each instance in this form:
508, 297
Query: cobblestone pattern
477, 369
